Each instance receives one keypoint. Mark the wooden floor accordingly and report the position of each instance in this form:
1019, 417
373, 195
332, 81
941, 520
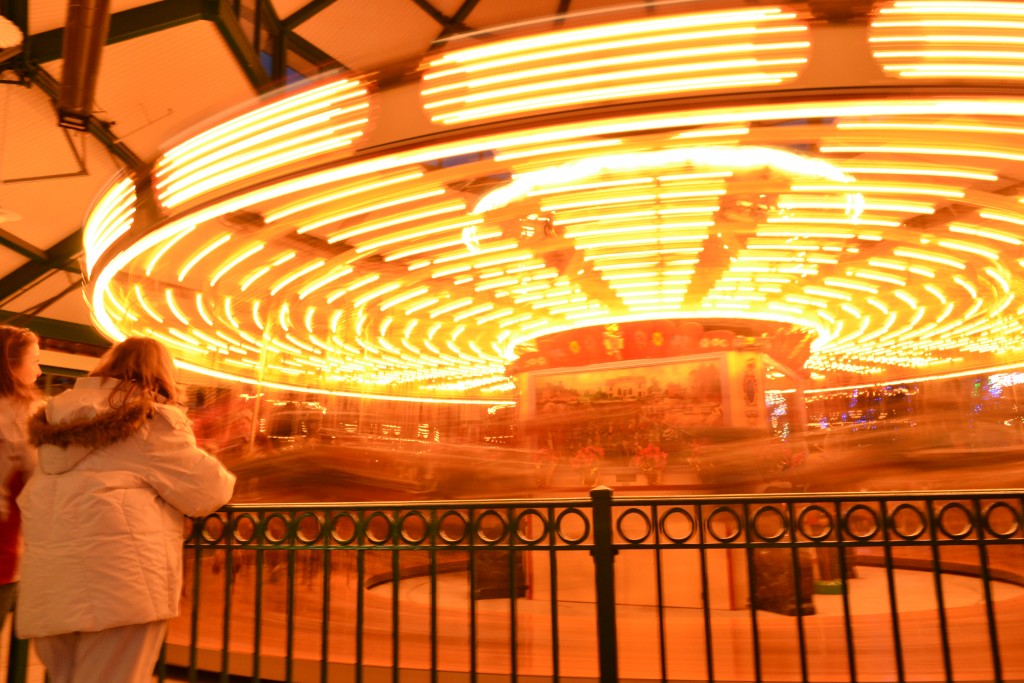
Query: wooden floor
720, 648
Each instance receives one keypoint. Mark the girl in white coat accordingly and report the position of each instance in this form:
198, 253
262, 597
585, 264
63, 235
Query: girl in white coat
103, 517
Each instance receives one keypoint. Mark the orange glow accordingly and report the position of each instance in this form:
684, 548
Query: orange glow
881, 225
627, 60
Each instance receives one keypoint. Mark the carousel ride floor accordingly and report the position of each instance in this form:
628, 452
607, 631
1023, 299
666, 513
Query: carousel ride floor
870, 654
875, 661
873, 643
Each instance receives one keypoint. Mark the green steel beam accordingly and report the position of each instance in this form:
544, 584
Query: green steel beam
131, 23
278, 68
15, 243
310, 52
307, 11
100, 130
434, 13
457, 21
51, 328
223, 16
125, 25
158, 16
58, 257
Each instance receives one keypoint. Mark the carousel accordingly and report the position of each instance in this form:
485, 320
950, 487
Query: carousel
624, 242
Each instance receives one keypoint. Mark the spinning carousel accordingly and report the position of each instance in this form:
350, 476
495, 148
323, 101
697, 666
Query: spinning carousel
813, 196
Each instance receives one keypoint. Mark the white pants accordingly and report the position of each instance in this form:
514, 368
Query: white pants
126, 654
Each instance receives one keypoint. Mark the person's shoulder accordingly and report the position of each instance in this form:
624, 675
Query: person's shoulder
9, 415
14, 411
8, 404
171, 416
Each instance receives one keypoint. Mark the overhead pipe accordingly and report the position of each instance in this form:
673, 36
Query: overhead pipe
85, 34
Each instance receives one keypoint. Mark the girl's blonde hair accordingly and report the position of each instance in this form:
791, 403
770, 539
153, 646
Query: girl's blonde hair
14, 344
144, 369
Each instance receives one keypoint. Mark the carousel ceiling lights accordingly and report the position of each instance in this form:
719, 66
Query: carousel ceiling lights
272, 247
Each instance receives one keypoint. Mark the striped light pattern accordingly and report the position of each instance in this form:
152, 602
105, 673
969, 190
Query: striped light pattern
930, 39
892, 228
109, 219
401, 282
316, 124
657, 57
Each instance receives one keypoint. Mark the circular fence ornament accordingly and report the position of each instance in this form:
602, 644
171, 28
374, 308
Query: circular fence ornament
724, 525
908, 522
491, 527
243, 528
572, 526
344, 528
861, 522
769, 524
452, 527
634, 526
1002, 520
677, 525
955, 520
414, 527
213, 528
531, 527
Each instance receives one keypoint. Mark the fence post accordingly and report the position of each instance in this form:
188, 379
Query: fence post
604, 579
17, 658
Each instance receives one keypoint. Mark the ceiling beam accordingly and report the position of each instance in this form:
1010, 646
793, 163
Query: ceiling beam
304, 13
223, 16
51, 328
58, 257
164, 14
457, 21
15, 243
310, 52
434, 13
99, 129
127, 24
277, 34
561, 11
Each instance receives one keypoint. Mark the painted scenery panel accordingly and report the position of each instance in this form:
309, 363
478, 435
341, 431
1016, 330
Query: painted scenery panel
623, 409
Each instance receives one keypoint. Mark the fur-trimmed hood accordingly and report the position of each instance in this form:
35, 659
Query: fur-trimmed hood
81, 420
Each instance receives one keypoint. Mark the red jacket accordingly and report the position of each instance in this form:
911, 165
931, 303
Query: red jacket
10, 533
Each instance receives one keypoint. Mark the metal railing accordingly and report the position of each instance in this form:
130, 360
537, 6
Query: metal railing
850, 587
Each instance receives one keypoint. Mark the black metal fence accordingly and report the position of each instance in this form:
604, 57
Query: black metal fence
851, 587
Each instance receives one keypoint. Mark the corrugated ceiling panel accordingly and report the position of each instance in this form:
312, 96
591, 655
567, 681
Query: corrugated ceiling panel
38, 162
68, 307
46, 15
497, 12
365, 36
9, 261
31, 144
286, 8
190, 75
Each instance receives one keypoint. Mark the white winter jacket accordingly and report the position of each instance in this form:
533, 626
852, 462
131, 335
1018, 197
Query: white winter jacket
103, 517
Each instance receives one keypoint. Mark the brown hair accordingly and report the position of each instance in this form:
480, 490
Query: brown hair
14, 343
143, 366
